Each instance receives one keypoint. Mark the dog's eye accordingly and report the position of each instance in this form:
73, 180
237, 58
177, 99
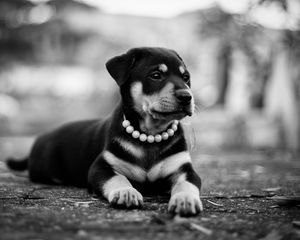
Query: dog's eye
156, 76
186, 77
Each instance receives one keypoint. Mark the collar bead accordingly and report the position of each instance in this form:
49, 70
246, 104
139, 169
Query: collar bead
150, 138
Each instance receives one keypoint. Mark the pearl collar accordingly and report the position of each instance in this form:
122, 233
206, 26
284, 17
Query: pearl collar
150, 138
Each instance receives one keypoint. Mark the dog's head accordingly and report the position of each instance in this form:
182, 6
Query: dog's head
155, 83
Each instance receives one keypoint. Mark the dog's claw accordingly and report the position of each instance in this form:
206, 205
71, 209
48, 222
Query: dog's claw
126, 197
185, 204
114, 200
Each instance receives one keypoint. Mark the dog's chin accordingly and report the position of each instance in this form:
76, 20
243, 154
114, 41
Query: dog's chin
169, 115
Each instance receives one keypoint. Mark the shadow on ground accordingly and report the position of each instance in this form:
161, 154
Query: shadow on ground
246, 195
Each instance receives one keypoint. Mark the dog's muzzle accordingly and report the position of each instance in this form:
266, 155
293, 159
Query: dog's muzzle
180, 105
184, 98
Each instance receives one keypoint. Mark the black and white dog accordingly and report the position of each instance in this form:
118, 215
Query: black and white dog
140, 148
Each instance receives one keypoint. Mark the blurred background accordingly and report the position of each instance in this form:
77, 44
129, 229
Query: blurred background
244, 59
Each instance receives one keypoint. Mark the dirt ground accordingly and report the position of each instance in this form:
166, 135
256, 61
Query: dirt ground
246, 195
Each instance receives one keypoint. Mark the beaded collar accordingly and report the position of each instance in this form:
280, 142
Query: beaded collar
150, 138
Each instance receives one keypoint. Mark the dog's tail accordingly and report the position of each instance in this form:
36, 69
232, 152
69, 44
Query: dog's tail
17, 164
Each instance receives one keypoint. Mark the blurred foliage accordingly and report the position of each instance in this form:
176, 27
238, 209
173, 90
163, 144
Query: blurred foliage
31, 31
53, 54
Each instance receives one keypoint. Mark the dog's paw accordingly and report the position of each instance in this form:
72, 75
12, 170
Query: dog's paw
126, 197
185, 204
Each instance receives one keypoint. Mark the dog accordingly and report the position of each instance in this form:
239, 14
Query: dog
139, 149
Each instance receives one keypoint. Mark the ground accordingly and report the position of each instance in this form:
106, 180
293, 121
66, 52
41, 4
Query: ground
246, 195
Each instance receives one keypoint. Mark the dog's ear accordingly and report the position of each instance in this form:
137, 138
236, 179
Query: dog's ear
119, 67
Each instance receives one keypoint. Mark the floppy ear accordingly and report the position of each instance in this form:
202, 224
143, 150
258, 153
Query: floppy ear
119, 67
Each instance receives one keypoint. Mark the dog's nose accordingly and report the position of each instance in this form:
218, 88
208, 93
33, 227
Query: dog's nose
183, 96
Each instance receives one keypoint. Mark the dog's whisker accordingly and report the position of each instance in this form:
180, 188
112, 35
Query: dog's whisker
197, 109
193, 140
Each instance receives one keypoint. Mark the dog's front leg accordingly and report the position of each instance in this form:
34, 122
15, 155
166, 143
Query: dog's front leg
185, 193
119, 192
116, 188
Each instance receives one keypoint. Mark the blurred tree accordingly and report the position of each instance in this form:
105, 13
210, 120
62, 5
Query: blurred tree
12, 13
211, 24
284, 101
264, 51
235, 33
42, 32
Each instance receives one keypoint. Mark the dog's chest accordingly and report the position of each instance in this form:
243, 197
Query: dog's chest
143, 155
143, 162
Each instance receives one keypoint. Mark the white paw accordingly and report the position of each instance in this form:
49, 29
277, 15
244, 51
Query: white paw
125, 197
185, 204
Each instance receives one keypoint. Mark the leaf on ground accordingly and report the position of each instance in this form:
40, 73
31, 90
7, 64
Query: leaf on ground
78, 203
200, 228
215, 204
272, 189
274, 206
253, 195
83, 204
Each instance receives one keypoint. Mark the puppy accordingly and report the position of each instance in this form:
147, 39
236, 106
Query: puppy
140, 148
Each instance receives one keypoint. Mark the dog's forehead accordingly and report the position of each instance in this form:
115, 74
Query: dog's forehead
164, 60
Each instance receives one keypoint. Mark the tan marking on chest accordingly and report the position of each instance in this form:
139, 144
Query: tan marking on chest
134, 172
125, 168
168, 166
132, 149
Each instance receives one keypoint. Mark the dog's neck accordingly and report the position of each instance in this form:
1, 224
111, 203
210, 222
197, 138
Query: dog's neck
153, 126
145, 122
